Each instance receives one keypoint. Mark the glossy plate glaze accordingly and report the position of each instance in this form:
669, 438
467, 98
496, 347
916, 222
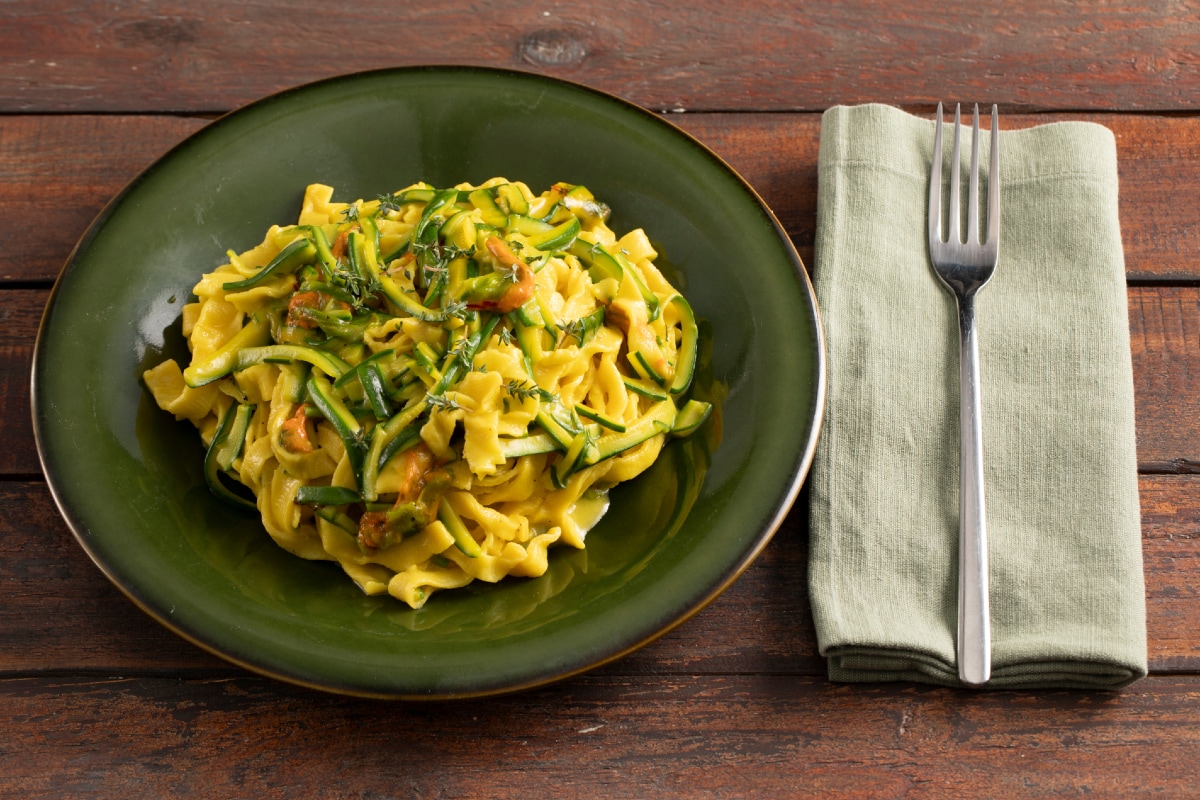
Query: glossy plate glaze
127, 477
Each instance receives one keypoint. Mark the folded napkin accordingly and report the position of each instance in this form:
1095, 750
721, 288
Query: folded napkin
1067, 601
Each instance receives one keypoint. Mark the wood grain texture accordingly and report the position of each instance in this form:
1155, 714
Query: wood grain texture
1164, 337
20, 315
66, 168
1171, 546
772, 55
60, 615
734, 736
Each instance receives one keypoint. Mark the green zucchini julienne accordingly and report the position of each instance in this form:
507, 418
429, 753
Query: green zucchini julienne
512, 196
597, 417
556, 238
366, 256
458, 531
321, 394
561, 432
658, 419
338, 518
489, 212
234, 439
586, 449
526, 226
457, 231
690, 417
324, 251
529, 445
221, 362
685, 351
325, 361
353, 372
584, 328
299, 252
387, 439
384, 447
327, 496
294, 375
226, 445
458, 362
644, 388
374, 387
577, 453
602, 263
583, 204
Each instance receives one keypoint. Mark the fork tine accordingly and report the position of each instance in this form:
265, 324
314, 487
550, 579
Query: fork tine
993, 212
973, 186
935, 183
954, 221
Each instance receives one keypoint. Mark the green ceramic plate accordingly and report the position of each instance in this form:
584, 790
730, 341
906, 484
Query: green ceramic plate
127, 477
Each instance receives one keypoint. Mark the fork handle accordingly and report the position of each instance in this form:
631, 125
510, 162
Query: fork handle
974, 623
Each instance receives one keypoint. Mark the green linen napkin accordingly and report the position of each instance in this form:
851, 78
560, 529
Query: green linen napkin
1067, 601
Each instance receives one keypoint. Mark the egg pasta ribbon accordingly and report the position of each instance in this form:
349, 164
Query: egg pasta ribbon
435, 386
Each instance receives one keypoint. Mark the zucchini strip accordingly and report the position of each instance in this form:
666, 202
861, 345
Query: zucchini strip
685, 352
462, 537
327, 496
225, 447
353, 372
321, 394
529, 445
559, 237
290, 258
597, 417
602, 264
387, 439
323, 360
224, 360
659, 419
367, 259
691, 417
337, 518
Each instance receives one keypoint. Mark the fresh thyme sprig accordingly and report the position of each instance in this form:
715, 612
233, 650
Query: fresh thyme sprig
459, 353
523, 390
456, 309
359, 287
435, 257
573, 328
441, 402
389, 202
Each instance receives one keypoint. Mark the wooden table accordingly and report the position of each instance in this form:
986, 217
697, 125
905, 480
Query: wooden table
98, 700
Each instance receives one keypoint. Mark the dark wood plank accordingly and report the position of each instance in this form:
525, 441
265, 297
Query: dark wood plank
1171, 562
20, 315
1164, 336
761, 55
67, 167
598, 737
60, 615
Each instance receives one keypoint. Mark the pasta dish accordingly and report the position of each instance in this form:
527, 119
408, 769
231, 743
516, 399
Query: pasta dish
435, 386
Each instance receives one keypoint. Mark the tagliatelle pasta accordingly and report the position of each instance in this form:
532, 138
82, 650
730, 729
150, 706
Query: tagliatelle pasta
436, 386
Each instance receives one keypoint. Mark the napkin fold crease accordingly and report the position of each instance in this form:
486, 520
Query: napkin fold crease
1067, 596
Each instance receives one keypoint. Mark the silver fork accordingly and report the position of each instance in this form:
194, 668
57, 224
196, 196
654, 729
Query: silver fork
964, 267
